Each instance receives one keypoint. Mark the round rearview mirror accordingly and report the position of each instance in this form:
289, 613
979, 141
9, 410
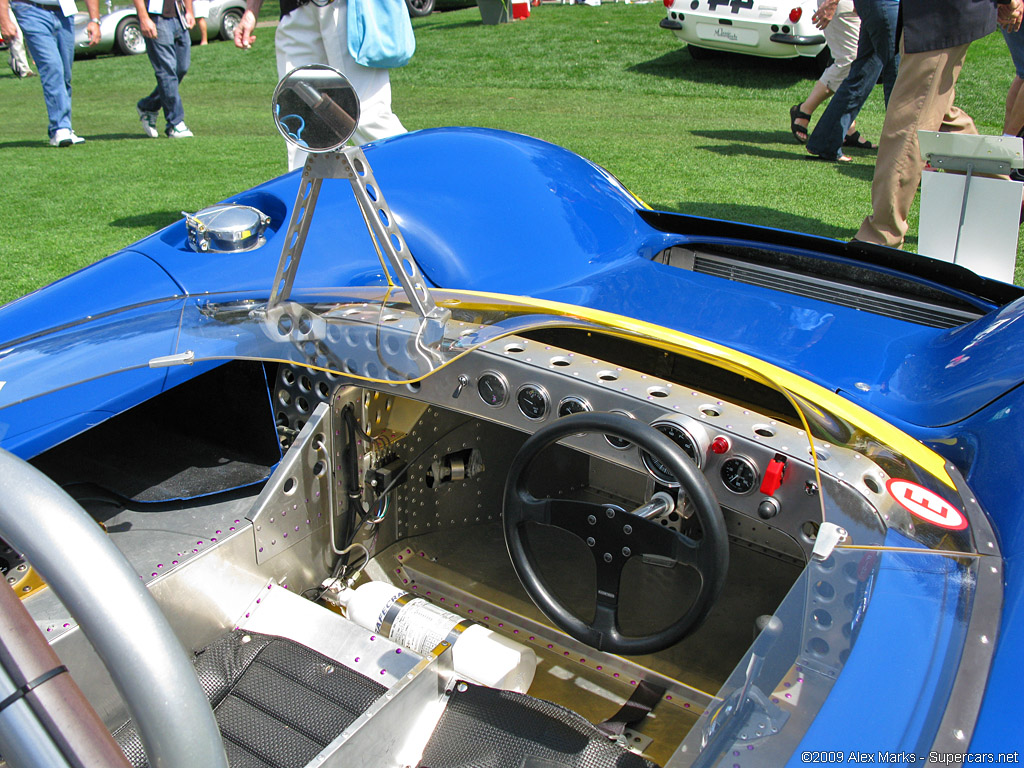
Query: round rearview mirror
316, 108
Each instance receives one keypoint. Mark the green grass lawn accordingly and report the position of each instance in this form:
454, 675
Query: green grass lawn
710, 138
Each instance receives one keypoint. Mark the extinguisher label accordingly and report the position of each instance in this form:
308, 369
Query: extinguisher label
421, 626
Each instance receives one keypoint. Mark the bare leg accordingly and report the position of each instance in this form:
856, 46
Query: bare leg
818, 94
1014, 120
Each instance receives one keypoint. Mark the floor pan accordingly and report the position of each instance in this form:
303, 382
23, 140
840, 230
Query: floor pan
468, 571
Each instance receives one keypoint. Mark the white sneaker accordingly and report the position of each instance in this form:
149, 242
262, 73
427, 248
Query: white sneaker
76, 139
179, 131
62, 138
148, 120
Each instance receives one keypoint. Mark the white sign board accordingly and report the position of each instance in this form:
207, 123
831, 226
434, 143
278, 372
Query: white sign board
988, 242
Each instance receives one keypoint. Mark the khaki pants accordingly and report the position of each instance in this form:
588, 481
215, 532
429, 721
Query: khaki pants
922, 99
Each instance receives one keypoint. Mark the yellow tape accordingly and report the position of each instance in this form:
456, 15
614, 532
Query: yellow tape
732, 360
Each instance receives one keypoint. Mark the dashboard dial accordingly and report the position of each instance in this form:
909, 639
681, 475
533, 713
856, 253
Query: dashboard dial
618, 442
680, 437
739, 474
571, 405
492, 388
532, 401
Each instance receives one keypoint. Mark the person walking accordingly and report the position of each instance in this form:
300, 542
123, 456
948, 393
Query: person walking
876, 55
838, 20
19, 57
1013, 120
936, 35
316, 32
165, 26
49, 31
201, 10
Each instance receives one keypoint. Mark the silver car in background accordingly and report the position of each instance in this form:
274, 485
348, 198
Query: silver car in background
120, 31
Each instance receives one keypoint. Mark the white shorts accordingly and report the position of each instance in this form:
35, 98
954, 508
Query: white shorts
841, 34
312, 34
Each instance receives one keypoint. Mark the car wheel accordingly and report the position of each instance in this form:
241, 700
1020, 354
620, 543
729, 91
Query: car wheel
128, 38
229, 22
420, 7
700, 54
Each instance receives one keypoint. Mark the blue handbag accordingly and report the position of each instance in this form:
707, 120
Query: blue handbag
380, 33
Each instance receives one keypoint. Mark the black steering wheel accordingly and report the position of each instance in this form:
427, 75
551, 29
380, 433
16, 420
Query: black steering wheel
614, 536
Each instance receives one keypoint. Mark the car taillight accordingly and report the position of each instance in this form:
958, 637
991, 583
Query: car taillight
668, 3
795, 14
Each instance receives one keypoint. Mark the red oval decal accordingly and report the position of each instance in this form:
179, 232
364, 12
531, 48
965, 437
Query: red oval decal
926, 505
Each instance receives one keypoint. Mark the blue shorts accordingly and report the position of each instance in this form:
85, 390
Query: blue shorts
1015, 42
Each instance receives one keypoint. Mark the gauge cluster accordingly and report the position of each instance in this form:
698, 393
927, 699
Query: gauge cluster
756, 467
683, 436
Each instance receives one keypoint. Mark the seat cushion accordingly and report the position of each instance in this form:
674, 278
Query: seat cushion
277, 703
490, 728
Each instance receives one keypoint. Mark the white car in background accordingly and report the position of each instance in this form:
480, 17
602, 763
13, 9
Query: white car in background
120, 31
775, 29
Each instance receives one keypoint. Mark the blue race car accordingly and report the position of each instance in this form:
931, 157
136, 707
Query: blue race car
450, 452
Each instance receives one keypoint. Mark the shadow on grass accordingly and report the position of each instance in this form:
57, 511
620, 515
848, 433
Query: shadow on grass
860, 168
764, 217
452, 25
43, 143
114, 136
152, 221
727, 69
25, 143
748, 137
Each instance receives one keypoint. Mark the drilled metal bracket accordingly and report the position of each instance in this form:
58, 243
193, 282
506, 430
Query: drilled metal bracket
297, 499
295, 237
396, 259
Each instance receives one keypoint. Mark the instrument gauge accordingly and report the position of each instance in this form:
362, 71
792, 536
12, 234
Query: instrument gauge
739, 475
680, 437
492, 388
532, 401
618, 442
572, 404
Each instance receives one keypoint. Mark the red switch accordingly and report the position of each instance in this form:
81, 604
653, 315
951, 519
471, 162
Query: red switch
773, 475
720, 445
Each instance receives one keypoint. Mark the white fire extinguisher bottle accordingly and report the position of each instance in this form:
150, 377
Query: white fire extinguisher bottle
478, 654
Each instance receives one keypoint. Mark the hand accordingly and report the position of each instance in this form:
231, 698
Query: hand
824, 14
243, 32
93, 30
8, 29
190, 20
1010, 15
148, 27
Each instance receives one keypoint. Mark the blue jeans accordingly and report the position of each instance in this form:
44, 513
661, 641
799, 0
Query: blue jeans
1015, 42
50, 38
876, 54
170, 53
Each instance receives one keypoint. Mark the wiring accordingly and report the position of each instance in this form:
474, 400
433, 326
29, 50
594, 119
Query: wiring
340, 571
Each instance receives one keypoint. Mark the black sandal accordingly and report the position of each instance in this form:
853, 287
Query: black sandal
854, 140
800, 132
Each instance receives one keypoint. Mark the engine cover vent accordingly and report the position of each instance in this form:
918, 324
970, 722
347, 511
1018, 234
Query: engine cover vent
888, 302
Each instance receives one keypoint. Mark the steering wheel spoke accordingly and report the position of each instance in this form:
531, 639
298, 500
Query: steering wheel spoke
577, 517
570, 514
691, 552
606, 624
614, 536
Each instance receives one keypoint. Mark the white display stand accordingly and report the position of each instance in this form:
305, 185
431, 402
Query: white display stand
966, 219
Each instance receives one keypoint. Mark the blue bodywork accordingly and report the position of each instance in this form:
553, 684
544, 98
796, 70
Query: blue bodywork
490, 211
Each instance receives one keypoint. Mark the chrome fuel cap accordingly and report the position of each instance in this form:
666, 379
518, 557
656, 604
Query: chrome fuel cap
226, 228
